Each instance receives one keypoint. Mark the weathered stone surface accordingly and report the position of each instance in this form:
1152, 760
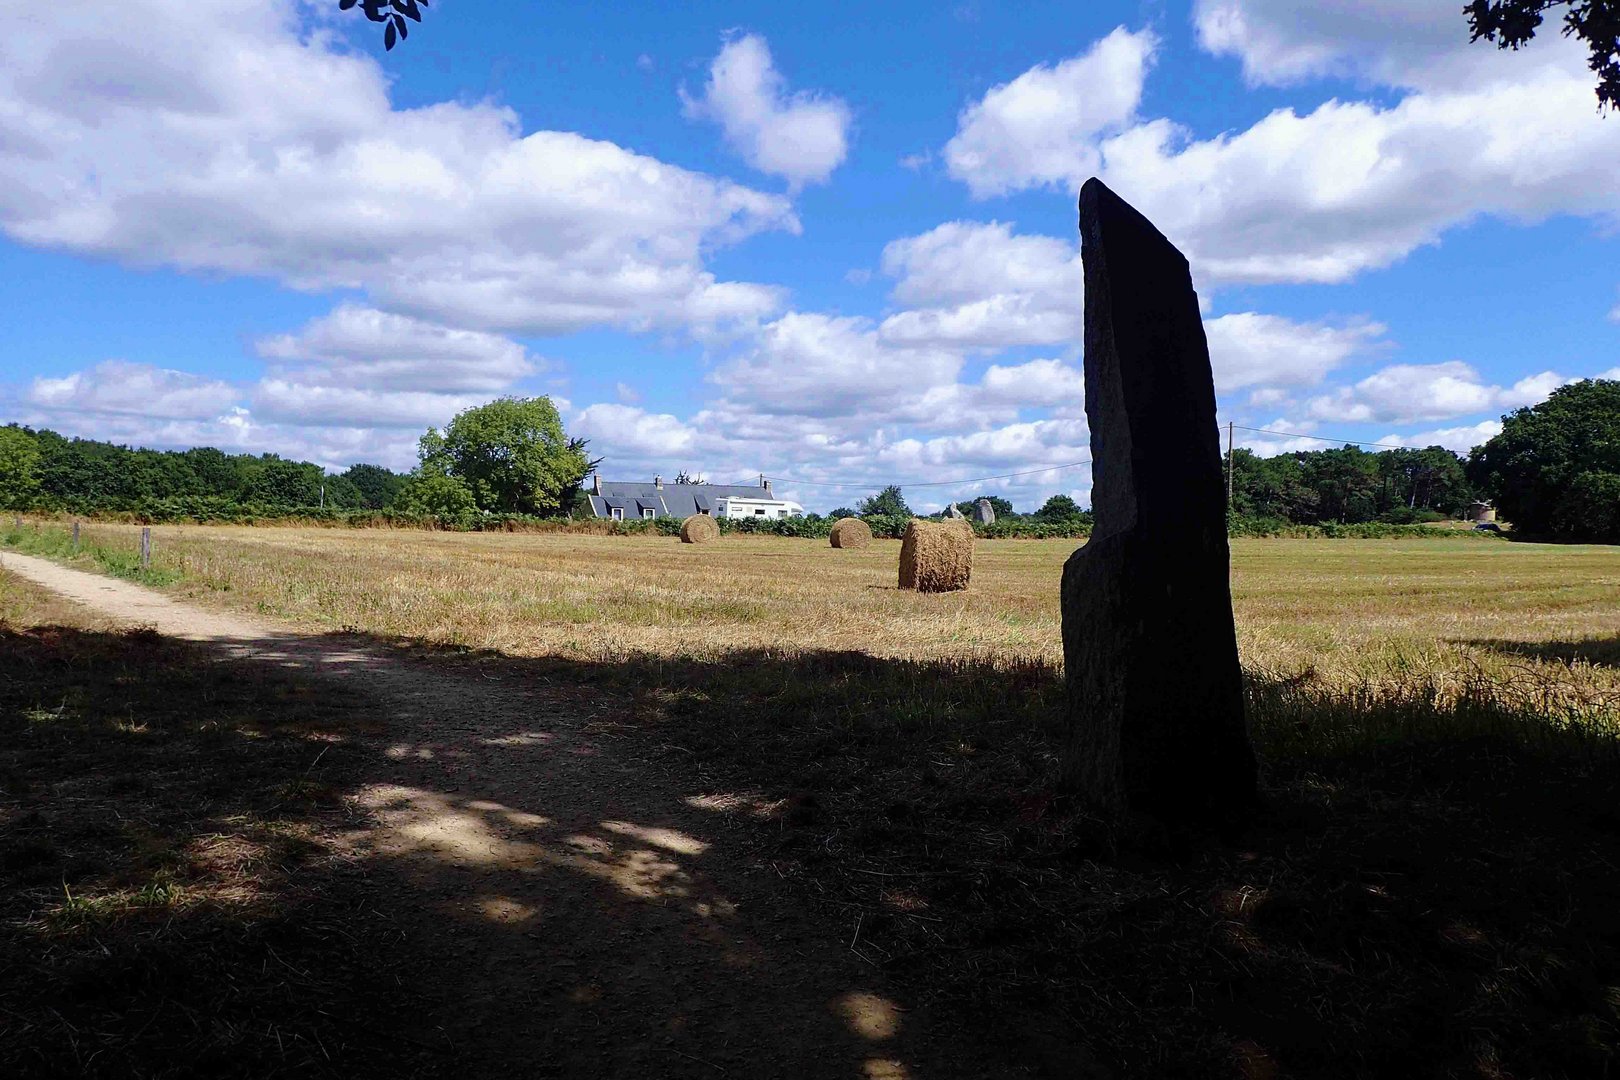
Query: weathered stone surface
953, 513
984, 513
1155, 692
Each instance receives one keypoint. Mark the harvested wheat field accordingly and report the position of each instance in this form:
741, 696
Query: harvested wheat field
800, 755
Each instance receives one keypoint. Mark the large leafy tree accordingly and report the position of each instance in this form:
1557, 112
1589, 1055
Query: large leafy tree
512, 454
1552, 466
440, 496
1512, 24
1058, 508
887, 503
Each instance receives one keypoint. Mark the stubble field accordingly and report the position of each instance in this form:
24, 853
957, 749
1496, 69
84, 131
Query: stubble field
1473, 615
1430, 890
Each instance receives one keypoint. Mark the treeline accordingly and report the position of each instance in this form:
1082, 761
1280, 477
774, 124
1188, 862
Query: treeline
43, 470
1349, 486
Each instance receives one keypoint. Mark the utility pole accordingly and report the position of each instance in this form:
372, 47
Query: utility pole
1228, 466
323, 495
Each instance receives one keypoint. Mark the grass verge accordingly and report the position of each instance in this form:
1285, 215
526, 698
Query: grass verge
54, 542
169, 882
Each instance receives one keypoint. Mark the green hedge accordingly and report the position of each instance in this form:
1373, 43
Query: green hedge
1265, 527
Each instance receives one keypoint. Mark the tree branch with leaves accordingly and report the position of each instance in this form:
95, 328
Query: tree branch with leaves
1512, 24
392, 13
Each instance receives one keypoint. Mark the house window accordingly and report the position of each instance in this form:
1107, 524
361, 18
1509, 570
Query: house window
649, 513
618, 513
705, 513
781, 513
760, 512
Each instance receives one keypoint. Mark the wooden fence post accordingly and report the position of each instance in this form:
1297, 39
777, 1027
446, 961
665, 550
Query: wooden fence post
75, 538
146, 547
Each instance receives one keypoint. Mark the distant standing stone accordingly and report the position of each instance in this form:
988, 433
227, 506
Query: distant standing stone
952, 512
1155, 691
984, 513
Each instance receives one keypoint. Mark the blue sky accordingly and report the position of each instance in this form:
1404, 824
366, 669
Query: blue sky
832, 244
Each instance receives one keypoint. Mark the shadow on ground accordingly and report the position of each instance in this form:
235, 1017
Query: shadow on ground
1598, 651
772, 863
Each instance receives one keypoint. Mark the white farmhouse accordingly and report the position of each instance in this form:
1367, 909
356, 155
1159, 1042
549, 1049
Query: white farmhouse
628, 501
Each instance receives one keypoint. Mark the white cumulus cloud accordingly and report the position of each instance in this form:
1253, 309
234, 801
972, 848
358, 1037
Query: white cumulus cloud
1251, 349
1410, 393
801, 136
980, 285
1325, 194
1041, 127
253, 146
364, 347
116, 387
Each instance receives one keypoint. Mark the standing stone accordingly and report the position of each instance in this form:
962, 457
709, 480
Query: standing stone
1155, 692
953, 513
984, 513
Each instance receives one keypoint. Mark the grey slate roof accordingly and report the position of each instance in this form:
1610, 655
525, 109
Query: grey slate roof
673, 500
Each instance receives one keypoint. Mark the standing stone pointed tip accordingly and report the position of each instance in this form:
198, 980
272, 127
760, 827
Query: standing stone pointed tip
1155, 692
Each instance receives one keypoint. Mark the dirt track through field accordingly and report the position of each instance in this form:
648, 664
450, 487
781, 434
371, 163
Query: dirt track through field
580, 916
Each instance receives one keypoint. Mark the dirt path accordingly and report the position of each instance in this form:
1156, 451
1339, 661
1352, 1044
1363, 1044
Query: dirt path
580, 917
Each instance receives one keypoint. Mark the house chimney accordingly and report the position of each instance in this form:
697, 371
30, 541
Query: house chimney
658, 482
596, 483
765, 482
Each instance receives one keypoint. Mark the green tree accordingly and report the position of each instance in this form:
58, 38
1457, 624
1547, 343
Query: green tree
841, 512
284, 484
1590, 509
376, 485
512, 454
1432, 478
1535, 463
217, 472
1512, 24
446, 498
19, 468
1345, 482
1059, 508
342, 493
886, 503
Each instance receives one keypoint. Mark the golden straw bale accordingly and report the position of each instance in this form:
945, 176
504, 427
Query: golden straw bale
851, 533
699, 529
936, 556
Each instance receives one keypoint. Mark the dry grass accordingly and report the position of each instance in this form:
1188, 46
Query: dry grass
1349, 612
167, 832
1431, 889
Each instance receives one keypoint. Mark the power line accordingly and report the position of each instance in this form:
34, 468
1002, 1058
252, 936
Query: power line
932, 483
1323, 438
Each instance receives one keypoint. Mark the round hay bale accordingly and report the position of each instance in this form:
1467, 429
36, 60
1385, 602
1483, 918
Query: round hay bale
852, 533
936, 556
699, 529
